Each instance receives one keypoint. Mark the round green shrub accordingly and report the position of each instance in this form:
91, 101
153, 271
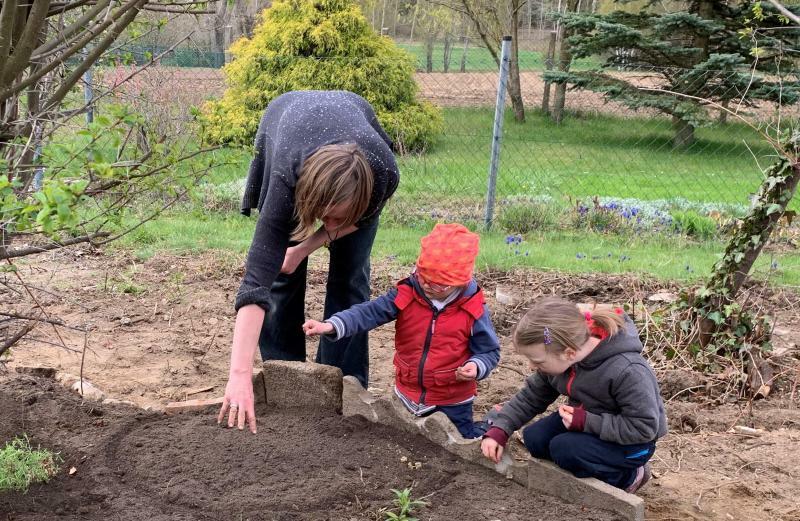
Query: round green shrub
324, 45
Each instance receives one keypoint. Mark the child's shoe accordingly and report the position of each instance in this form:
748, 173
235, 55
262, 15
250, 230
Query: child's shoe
642, 477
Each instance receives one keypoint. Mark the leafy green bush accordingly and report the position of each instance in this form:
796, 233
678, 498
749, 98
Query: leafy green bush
693, 224
528, 217
326, 45
21, 465
223, 198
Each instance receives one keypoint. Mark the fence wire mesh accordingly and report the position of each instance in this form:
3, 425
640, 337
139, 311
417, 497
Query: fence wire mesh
601, 151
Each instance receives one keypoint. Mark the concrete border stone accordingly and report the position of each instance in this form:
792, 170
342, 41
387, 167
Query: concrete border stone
534, 474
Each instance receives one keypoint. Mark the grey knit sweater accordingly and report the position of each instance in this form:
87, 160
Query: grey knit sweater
294, 126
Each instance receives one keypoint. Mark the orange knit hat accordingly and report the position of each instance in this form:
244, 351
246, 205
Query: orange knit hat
448, 255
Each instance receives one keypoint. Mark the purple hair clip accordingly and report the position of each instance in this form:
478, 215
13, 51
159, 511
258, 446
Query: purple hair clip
548, 339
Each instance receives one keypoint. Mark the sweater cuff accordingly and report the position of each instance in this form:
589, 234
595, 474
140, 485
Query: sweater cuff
482, 370
259, 295
498, 435
578, 419
338, 327
593, 423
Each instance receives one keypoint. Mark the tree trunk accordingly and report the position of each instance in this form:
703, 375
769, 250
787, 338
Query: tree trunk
514, 82
220, 23
747, 241
529, 16
446, 52
383, 18
684, 133
429, 40
396, 16
548, 63
564, 60
722, 119
463, 67
414, 21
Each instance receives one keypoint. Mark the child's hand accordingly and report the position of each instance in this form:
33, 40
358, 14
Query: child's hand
491, 449
314, 328
566, 412
468, 371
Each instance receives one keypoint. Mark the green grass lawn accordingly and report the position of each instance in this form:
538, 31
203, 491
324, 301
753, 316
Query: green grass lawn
479, 59
586, 156
583, 156
669, 258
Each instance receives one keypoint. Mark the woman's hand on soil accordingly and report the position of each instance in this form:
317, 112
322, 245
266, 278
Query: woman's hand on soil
491, 449
238, 405
468, 371
314, 328
294, 256
565, 411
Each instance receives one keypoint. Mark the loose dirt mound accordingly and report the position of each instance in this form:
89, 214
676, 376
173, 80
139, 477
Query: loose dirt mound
142, 466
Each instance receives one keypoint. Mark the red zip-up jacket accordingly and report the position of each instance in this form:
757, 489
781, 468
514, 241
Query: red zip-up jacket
431, 344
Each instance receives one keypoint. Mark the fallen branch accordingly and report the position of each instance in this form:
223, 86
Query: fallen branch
22, 252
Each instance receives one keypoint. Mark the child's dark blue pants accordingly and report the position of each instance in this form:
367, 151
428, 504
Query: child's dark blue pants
584, 454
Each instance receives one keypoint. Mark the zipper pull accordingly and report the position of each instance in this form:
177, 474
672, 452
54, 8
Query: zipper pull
433, 326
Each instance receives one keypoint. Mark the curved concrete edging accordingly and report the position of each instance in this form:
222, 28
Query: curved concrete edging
309, 385
321, 387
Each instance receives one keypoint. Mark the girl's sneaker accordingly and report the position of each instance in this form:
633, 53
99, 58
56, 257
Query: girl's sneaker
642, 477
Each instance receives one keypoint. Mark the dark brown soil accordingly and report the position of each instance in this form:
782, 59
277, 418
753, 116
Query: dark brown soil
134, 465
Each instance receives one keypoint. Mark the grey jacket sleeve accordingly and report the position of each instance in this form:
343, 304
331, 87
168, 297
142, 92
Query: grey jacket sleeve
533, 399
636, 393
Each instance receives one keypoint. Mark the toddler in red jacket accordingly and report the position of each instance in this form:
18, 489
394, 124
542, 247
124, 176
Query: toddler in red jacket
444, 338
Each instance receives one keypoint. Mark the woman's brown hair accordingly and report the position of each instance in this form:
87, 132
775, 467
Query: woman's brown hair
332, 175
565, 325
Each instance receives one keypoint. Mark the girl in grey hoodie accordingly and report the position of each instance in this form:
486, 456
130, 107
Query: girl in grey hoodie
614, 413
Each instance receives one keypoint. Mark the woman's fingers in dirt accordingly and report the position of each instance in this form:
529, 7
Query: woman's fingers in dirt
223, 410
251, 420
232, 416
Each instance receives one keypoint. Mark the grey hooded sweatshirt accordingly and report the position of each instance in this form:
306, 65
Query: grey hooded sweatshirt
614, 384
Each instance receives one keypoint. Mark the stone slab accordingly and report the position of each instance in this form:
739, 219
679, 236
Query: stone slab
547, 478
192, 405
303, 385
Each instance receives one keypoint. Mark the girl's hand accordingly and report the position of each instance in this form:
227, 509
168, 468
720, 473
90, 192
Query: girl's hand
491, 449
238, 404
314, 328
294, 256
566, 412
468, 371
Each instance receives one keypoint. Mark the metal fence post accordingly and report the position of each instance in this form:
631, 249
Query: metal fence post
497, 131
88, 95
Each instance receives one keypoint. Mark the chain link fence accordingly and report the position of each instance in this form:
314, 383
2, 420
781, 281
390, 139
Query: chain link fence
600, 153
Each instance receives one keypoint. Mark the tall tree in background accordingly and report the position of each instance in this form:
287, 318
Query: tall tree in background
493, 20
699, 53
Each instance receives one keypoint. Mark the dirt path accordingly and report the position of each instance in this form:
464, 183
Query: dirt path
162, 329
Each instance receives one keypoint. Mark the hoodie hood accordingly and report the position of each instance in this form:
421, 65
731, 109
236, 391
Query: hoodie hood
625, 341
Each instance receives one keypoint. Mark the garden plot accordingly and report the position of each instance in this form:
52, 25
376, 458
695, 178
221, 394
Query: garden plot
128, 464
160, 331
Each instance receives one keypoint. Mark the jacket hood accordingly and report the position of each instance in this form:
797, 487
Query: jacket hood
626, 341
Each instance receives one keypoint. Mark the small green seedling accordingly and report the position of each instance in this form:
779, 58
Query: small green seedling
21, 465
404, 506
